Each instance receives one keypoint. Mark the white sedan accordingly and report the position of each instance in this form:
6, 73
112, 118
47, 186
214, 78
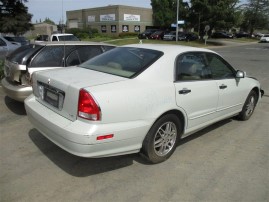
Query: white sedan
138, 98
265, 38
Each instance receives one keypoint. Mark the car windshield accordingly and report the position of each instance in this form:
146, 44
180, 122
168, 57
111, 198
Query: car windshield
123, 61
68, 38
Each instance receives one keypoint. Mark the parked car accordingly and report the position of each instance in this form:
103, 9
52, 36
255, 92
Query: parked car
7, 47
20, 64
242, 34
18, 39
146, 34
265, 38
56, 37
171, 36
138, 98
157, 35
42, 38
187, 36
225, 35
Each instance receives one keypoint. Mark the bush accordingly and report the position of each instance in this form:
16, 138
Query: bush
127, 34
1, 69
82, 33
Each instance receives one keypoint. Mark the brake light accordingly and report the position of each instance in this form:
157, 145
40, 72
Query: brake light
87, 107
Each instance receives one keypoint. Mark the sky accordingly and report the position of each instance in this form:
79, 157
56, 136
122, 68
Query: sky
56, 9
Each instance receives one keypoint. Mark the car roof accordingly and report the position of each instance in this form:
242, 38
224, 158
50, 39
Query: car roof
52, 43
169, 49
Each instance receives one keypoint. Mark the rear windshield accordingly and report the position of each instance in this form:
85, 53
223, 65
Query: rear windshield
23, 53
68, 38
123, 61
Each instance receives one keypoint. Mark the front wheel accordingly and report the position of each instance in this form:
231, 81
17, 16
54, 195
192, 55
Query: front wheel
161, 140
249, 106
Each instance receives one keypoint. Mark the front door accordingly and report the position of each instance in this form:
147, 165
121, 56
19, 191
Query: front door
196, 92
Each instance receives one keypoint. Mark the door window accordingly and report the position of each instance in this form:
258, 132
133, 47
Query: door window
50, 56
219, 68
2, 43
192, 66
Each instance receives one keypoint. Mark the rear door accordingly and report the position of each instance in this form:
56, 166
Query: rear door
196, 92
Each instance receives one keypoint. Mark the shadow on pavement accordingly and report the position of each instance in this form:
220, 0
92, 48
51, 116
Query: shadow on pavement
82, 167
79, 166
15, 106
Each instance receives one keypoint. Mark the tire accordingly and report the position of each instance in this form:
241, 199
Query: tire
249, 106
161, 140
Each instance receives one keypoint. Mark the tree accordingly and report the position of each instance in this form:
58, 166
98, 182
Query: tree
164, 12
14, 17
49, 21
256, 15
218, 14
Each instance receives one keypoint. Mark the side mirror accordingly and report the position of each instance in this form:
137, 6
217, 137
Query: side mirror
240, 74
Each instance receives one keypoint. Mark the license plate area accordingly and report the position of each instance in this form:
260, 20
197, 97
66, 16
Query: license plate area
51, 95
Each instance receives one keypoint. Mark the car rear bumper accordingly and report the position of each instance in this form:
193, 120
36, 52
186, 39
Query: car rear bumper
16, 92
79, 137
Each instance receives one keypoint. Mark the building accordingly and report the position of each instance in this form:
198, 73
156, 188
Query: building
41, 29
112, 19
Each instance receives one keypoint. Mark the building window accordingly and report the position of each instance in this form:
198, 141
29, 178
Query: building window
103, 28
125, 28
137, 28
113, 28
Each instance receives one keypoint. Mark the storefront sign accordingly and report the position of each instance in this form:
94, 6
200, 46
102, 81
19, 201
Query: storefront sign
137, 28
103, 28
130, 17
125, 28
91, 18
108, 17
113, 29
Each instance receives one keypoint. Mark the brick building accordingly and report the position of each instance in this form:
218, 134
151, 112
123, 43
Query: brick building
112, 19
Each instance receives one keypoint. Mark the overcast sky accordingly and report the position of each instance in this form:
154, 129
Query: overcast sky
40, 9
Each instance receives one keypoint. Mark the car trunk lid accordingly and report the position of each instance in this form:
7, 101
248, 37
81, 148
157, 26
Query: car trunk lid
58, 89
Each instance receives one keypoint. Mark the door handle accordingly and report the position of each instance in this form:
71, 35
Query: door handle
222, 86
184, 91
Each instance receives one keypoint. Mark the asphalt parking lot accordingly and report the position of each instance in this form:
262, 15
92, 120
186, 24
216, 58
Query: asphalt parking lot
228, 161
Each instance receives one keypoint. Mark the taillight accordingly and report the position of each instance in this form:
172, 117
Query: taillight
87, 107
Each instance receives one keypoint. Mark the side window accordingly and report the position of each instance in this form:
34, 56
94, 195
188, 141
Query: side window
2, 43
191, 66
220, 68
107, 48
54, 38
73, 59
50, 56
87, 52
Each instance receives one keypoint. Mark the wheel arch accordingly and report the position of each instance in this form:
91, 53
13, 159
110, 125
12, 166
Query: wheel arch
180, 116
257, 91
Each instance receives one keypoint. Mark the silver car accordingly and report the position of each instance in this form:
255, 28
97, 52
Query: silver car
20, 64
7, 47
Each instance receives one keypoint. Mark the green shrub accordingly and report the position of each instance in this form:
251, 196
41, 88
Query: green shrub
1, 69
127, 34
82, 33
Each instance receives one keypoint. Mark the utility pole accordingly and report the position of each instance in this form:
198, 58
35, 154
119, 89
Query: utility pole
177, 23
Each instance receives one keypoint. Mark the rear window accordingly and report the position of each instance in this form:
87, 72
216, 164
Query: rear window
68, 38
51, 56
123, 61
23, 53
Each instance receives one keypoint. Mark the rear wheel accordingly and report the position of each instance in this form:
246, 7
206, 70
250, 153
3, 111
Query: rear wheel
249, 106
161, 140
